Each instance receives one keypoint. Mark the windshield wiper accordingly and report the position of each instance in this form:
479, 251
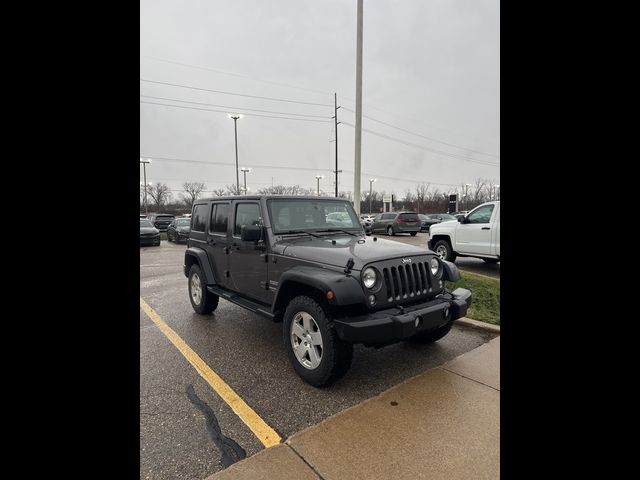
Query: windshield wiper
339, 230
286, 232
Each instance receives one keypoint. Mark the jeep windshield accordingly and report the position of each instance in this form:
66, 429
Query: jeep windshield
306, 215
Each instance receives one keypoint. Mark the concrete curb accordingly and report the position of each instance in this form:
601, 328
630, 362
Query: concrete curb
469, 322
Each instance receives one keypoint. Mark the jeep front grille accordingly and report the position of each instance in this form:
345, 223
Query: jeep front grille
406, 281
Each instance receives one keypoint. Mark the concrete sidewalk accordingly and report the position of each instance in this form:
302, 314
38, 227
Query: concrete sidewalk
443, 423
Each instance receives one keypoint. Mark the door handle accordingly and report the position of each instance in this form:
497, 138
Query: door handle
211, 242
486, 228
227, 249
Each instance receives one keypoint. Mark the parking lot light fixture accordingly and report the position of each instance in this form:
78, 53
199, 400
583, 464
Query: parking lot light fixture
144, 169
318, 178
235, 117
244, 171
371, 180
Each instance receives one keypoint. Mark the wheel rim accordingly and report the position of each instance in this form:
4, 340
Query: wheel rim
441, 250
196, 289
306, 340
390, 231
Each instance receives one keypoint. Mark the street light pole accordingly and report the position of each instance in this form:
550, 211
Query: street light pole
358, 133
371, 180
244, 170
318, 178
466, 195
497, 192
235, 128
144, 169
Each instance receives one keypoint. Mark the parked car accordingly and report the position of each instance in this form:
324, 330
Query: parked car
476, 234
187, 215
338, 219
366, 222
396, 222
281, 258
149, 235
433, 218
161, 220
143, 216
178, 230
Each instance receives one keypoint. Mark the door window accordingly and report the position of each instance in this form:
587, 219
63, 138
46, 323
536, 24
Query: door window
219, 219
246, 214
481, 215
199, 218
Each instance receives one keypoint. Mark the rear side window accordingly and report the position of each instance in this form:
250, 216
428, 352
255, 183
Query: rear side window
219, 218
388, 216
408, 216
246, 214
199, 218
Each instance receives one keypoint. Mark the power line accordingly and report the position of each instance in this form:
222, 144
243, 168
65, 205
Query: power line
236, 94
278, 167
233, 108
233, 74
424, 136
247, 114
422, 147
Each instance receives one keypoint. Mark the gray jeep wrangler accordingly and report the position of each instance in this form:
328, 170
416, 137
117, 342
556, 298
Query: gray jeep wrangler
307, 262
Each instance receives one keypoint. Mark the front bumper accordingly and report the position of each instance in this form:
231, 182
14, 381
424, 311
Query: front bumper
153, 241
394, 324
407, 228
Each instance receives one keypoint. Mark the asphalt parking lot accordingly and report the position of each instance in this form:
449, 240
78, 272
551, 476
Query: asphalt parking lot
187, 437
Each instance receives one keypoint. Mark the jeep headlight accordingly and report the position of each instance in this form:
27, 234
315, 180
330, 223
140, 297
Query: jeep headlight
434, 263
369, 277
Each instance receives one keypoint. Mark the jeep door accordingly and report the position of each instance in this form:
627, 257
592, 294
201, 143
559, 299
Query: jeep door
474, 236
218, 240
247, 260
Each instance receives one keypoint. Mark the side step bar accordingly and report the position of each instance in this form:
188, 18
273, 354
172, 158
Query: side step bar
250, 305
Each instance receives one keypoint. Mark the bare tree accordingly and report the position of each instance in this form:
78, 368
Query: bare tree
192, 190
219, 192
422, 192
160, 194
233, 190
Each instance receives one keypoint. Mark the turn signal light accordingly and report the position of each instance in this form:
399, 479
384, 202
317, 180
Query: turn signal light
330, 295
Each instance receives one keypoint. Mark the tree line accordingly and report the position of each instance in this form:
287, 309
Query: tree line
423, 198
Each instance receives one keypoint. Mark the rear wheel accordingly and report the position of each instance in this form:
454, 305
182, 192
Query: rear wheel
202, 300
313, 347
390, 231
444, 251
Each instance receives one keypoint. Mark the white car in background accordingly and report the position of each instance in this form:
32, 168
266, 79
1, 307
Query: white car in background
476, 234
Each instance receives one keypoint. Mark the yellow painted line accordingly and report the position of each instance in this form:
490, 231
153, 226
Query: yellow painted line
264, 432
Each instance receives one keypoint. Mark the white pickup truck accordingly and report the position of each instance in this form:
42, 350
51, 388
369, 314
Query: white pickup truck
477, 234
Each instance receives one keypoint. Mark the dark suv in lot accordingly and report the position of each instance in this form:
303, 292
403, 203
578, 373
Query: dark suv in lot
396, 222
161, 220
332, 287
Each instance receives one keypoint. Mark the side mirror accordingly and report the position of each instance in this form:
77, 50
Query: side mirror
462, 219
251, 233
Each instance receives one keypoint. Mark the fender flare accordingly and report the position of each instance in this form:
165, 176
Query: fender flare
346, 288
203, 260
451, 272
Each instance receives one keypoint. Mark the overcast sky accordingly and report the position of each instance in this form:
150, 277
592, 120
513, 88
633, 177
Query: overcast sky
429, 66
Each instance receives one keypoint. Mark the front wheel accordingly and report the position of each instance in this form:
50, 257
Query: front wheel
313, 347
390, 231
202, 300
444, 251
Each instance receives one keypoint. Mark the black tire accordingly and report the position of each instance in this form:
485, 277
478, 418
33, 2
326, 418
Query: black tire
208, 301
445, 246
491, 260
431, 336
390, 231
413, 234
168, 237
336, 355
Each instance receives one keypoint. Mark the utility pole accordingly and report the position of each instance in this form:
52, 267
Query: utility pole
144, 169
466, 196
335, 111
358, 138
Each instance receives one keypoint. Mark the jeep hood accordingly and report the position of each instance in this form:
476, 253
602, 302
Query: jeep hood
363, 250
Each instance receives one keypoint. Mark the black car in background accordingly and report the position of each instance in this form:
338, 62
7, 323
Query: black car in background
178, 230
431, 219
149, 235
161, 220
